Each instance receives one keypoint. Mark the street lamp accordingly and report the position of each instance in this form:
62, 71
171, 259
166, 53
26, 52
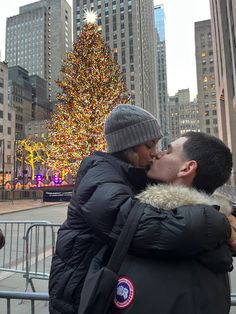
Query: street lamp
3, 162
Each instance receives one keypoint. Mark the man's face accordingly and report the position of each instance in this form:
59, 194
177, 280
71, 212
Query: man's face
145, 153
168, 163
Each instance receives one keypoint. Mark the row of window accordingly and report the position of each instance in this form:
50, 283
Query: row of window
8, 130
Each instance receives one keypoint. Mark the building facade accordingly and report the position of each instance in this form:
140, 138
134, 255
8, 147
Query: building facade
223, 22
7, 128
128, 28
38, 39
20, 98
161, 71
206, 77
183, 114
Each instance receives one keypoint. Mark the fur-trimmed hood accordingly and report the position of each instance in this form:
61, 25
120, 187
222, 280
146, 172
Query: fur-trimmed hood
167, 196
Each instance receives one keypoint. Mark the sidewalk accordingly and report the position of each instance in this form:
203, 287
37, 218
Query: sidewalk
19, 205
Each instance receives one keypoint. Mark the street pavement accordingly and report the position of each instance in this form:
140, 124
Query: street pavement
20, 205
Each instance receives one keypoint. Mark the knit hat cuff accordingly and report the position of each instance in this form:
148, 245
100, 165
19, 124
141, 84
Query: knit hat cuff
133, 135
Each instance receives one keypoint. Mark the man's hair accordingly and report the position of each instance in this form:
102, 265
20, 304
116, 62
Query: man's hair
213, 157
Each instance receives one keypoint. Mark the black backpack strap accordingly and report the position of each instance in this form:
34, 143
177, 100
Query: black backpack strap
125, 238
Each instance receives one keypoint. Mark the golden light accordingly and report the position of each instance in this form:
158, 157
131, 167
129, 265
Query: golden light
90, 16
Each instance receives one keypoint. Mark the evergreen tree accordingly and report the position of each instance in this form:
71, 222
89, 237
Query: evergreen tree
92, 85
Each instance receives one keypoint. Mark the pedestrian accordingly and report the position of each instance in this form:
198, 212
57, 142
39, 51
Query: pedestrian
194, 165
104, 194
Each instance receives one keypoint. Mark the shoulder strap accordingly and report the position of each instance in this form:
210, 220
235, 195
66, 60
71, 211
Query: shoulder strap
125, 238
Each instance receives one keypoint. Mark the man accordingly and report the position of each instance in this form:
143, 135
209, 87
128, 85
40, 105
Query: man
180, 285
103, 196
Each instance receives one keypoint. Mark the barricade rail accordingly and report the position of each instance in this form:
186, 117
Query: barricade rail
28, 249
18, 295
34, 296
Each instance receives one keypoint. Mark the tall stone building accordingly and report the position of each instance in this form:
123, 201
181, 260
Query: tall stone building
128, 28
38, 38
7, 128
223, 21
161, 71
206, 77
20, 98
183, 114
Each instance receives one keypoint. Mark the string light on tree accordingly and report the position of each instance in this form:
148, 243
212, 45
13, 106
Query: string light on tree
92, 85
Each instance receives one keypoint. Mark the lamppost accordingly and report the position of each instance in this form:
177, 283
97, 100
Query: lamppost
3, 162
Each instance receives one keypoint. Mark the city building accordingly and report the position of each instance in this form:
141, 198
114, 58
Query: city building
183, 114
20, 98
7, 128
40, 109
128, 28
36, 129
161, 71
38, 38
223, 21
206, 77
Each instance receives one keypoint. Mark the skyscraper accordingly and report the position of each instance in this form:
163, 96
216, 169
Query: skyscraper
38, 38
7, 126
128, 28
206, 77
223, 23
183, 114
161, 71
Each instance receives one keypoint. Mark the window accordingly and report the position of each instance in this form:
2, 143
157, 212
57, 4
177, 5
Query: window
1, 98
9, 131
1, 82
1, 114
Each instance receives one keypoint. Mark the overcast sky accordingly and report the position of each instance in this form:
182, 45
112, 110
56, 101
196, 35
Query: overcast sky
180, 18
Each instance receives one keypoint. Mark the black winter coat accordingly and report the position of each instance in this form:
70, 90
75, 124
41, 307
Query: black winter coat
101, 201
193, 285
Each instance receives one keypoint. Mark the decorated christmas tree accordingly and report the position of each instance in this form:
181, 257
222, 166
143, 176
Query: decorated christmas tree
92, 85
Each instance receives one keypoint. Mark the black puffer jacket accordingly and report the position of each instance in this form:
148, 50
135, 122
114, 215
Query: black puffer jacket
102, 198
191, 285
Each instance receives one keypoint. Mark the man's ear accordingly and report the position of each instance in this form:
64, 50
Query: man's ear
188, 169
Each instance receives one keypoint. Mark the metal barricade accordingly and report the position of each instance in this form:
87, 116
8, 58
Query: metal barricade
31, 296
28, 249
40, 245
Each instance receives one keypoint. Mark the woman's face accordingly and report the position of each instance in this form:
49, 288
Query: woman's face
144, 154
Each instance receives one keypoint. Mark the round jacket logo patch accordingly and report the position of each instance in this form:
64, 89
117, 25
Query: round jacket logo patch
124, 293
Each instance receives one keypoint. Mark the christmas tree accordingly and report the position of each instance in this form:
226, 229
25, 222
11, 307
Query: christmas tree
92, 85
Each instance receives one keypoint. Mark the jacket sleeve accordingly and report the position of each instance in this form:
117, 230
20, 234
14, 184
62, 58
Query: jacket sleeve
185, 231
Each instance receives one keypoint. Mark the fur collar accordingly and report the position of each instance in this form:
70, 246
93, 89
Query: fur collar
171, 196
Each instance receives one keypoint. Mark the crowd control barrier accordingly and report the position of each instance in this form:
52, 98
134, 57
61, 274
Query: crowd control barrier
28, 249
9, 296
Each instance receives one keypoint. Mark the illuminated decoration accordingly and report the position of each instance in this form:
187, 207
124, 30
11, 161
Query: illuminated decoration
90, 16
38, 178
92, 85
57, 179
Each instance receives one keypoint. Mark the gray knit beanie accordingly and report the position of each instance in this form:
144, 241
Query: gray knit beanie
127, 126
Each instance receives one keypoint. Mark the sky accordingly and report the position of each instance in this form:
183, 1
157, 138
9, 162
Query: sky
180, 16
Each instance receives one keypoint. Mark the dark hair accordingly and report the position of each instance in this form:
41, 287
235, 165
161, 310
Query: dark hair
213, 157
123, 154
